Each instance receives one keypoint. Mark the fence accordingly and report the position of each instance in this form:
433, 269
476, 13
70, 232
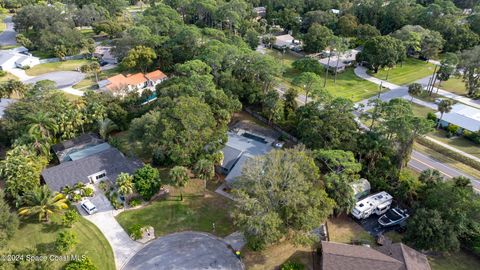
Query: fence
273, 126
56, 59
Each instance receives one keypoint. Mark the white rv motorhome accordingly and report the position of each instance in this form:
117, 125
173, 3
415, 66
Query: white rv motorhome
377, 203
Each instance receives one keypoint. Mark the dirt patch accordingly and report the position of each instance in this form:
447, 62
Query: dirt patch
343, 229
274, 256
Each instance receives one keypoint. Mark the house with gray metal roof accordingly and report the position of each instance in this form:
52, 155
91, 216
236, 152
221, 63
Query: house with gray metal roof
466, 117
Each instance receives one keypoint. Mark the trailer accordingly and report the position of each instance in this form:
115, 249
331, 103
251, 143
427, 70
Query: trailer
377, 203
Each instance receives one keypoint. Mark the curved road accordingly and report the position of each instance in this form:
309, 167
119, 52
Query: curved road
185, 251
7, 37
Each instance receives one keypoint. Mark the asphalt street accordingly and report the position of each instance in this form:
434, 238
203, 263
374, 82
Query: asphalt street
61, 78
7, 37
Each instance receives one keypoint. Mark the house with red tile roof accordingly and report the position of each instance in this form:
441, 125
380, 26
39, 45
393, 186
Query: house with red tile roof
121, 84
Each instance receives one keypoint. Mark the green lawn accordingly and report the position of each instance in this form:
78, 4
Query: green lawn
406, 73
347, 85
193, 213
458, 261
41, 236
70, 65
458, 142
421, 111
454, 85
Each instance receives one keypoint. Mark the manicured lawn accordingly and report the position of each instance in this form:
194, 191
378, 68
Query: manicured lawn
454, 85
411, 70
421, 111
41, 236
195, 213
458, 261
70, 65
347, 85
343, 229
458, 142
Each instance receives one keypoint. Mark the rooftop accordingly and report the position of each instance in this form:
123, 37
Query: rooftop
463, 116
120, 80
65, 149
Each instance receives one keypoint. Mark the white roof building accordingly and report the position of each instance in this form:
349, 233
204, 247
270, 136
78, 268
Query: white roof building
461, 115
287, 42
344, 60
17, 57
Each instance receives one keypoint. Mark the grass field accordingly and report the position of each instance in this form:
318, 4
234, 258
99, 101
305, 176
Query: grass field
196, 213
348, 85
421, 111
41, 236
458, 261
458, 142
454, 85
411, 70
8, 76
70, 65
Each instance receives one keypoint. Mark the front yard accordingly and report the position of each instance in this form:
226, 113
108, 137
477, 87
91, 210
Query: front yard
194, 213
41, 236
406, 73
69, 65
454, 85
458, 142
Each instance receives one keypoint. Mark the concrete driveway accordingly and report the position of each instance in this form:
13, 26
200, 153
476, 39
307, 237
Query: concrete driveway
63, 79
185, 251
8, 36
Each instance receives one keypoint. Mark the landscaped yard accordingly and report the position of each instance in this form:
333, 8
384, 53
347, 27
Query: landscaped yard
194, 213
41, 236
458, 261
458, 142
348, 85
406, 73
454, 85
69, 65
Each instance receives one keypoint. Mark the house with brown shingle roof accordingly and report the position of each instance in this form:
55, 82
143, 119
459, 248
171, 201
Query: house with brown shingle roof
121, 84
336, 256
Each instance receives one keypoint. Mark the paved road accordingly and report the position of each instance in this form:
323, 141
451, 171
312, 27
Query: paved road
7, 37
62, 79
185, 251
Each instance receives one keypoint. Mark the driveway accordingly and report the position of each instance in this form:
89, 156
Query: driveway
7, 37
63, 79
122, 245
185, 251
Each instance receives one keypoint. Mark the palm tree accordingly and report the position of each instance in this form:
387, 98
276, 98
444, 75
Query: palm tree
124, 183
105, 127
205, 170
40, 201
179, 177
42, 125
445, 106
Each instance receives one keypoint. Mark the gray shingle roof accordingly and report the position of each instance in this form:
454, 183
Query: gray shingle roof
71, 172
230, 157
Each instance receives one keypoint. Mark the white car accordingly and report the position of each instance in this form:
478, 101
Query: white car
89, 207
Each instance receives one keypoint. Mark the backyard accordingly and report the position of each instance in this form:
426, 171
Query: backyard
69, 65
194, 213
408, 72
41, 236
347, 85
459, 261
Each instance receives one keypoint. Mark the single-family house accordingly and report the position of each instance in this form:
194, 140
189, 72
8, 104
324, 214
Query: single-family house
121, 84
466, 117
240, 147
27, 61
284, 42
336, 256
87, 159
104, 54
339, 61
17, 58
4, 103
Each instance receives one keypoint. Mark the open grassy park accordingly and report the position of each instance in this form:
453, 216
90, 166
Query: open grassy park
41, 236
69, 65
407, 72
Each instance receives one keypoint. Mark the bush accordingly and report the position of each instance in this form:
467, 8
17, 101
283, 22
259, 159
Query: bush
135, 231
432, 116
85, 264
453, 129
292, 266
65, 241
103, 186
134, 202
76, 198
2, 73
147, 181
70, 217
88, 192
472, 136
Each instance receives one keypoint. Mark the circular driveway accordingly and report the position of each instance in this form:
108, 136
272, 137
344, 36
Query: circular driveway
185, 250
61, 78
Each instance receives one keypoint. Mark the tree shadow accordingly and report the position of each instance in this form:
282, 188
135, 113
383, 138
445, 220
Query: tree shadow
51, 227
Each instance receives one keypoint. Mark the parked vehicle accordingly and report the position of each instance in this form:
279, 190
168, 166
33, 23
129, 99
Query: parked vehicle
377, 203
393, 217
89, 207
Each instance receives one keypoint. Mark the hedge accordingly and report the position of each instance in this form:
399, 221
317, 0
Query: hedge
447, 152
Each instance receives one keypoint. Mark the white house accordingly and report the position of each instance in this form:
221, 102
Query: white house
466, 117
344, 60
17, 58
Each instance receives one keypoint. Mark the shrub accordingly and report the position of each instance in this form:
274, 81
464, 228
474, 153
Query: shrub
88, 192
65, 241
2, 73
103, 186
472, 136
70, 217
453, 129
147, 181
432, 116
135, 231
134, 202
85, 264
292, 266
76, 198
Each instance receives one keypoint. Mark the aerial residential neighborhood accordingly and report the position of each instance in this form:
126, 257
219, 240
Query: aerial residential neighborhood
240, 134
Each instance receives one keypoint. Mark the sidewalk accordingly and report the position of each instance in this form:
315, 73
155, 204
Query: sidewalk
453, 149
